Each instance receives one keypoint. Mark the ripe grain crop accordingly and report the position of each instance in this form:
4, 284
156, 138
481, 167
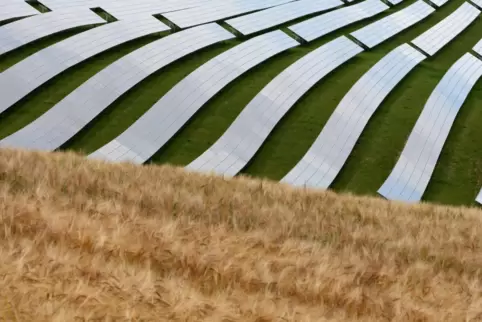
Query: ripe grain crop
86, 240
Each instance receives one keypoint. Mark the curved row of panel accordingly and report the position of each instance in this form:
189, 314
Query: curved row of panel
218, 10
383, 29
27, 75
148, 134
442, 33
321, 25
326, 157
11, 9
265, 19
250, 129
410, 176
69, 116
24, 31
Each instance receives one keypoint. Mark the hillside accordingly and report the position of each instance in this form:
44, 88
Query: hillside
83, 240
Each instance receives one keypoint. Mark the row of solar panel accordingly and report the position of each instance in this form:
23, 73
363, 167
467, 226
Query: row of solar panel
240, 147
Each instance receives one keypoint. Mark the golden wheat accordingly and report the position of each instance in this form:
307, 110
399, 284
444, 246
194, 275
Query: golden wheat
85, 240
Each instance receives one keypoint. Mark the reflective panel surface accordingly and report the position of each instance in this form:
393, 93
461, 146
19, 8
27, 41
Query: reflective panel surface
160, 123
24, 31
442, 33
478, 47
411, 175
10, 9
383, 29
250, 129
268, 18
30, 73
319, 26
218, 10
326, 157
69, 116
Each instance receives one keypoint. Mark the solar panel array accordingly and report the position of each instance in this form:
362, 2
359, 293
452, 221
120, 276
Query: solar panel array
326, 157
261, 20
147, 135
11, 9
442, 33
410, 176
244, 137
75, 111
389, 26
24, 31
27, 75
319, 26
219, 10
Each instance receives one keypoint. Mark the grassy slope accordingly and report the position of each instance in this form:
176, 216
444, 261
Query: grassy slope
373, 157
86, 240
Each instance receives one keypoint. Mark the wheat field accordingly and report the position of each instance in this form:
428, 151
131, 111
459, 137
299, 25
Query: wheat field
88, 241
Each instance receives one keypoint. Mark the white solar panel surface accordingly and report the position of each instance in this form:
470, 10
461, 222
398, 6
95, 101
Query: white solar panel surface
326, 157
478, 48
75, 111
383, 29
27, 75
442, 33
271, 17
219, 10
319, 26
15, 9
63, 4
19, 33
478, 3
411, 175
156, 127
394, 2
123, 9
479, 197
244, 137
439, 3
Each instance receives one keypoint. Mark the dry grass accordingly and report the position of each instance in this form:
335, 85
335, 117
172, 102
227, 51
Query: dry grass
82, 240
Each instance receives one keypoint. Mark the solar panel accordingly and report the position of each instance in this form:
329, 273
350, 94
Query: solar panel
271, 17
479, 197
15, 9
319, 26
24, 31
245, 136
383, 29
64, 4
131, 9
219, 10
442, 33
30, 73
326, 157
439, 3
478, 3
69, 116
411, 175
478, 48
156, 127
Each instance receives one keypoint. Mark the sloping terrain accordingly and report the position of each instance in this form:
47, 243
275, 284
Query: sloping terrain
83, 240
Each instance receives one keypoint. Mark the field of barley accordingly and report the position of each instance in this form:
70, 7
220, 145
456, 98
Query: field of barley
457, 177
89, 241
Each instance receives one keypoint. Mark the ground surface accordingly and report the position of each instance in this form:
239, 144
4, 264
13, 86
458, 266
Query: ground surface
89, 241
458, 175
